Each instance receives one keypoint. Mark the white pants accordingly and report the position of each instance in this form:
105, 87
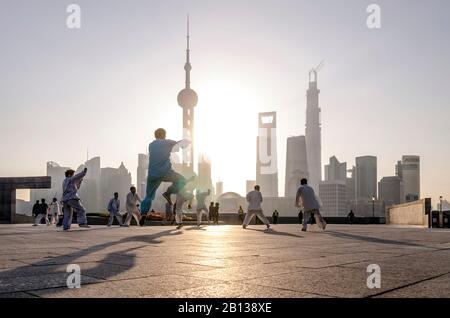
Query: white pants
259, 214
319, 219
111, 218
130, 214
55, 218
200, 211
39, 217
181, 200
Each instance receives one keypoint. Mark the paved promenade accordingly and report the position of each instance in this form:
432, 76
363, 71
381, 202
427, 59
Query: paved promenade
224, 261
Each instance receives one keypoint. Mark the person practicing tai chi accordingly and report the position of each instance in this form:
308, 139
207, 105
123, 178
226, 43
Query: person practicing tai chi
310, 204
183, 196
132, 206
55, 211
160, 170
201, 205
42, 213
114, 210
254, 199
71, 201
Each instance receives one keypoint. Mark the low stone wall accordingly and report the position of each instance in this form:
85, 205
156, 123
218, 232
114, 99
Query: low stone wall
412, 213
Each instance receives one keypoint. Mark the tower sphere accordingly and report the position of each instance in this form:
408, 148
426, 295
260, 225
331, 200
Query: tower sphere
187, 98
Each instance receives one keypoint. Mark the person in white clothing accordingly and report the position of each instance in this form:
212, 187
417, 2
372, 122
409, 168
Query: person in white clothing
309, 202
254, 199
182, 197
132, 206
55, 211
114, 210
201, 205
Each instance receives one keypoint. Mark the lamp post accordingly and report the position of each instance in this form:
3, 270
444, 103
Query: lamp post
373, 209
441, 215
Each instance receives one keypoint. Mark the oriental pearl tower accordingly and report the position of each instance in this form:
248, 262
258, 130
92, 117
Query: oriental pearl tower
188, 99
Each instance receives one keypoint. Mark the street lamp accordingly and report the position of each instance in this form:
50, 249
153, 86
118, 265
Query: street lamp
373, 208
441, 215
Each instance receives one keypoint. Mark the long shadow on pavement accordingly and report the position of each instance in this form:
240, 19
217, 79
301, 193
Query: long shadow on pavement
107, 267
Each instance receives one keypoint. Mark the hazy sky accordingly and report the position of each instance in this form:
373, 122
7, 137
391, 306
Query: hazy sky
109, 85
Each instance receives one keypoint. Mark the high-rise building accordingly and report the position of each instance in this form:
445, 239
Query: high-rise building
141, 174
335, 170
366, 177
334, 198
114, 180
56, 172
296, 165
390, 191
188, 99
249, 186
351, 184
90, 191
313, 132
266, 162
409, 171
204, 174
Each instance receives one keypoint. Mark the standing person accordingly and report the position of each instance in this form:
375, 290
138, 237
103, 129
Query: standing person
71, 201
36, 211
201, 205
254, 199
183, 196
211, 211
216, 213
241, 214
310, 205
132, 206
275, 217
160, 170
114, 210
351, 217
55, 211
42, 213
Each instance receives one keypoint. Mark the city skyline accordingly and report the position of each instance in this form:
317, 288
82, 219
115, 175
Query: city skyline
224, 89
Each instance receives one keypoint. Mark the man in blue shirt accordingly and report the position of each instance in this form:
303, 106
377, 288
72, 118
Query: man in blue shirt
160, 170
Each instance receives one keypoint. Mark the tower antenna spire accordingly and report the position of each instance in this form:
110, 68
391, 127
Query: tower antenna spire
188, 66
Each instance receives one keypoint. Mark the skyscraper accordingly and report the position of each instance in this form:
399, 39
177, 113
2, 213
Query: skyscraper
141, 174
390, 190
366, 177
204, 174
409, 171
313, 132
296, 164
266, 148
188, 99
335, 170
334, 198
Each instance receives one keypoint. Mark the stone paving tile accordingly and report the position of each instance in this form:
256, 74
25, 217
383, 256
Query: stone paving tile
333, 260
244, 273
17, 295
17, 284
332, 281
234, 290
129, 288
434, 288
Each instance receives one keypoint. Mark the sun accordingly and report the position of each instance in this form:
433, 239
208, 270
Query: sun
226, 129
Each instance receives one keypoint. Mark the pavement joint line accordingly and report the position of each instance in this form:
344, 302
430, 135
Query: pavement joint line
405, 286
